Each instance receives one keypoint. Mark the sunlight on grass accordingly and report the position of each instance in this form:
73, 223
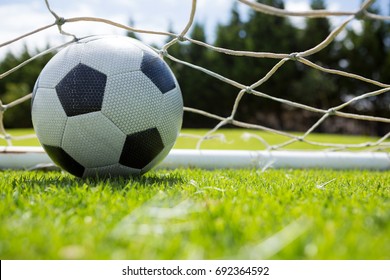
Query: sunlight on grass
233, 139
230, 139
196, 214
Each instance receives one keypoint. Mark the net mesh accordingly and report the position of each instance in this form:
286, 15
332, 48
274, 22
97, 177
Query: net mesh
382, 144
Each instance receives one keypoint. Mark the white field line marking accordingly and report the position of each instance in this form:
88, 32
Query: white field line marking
321, 186
151, 218
274, 244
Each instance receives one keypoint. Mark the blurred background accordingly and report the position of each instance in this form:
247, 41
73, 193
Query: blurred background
363, 48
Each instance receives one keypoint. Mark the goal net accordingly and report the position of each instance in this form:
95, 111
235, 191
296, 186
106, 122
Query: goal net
304, 149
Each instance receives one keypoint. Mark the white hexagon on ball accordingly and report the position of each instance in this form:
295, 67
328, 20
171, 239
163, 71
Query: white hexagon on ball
107, 106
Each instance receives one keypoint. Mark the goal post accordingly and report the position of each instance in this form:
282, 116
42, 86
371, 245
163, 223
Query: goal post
35, 158
374, 155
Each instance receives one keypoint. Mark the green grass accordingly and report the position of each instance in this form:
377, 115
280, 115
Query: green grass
197, 214
233, 139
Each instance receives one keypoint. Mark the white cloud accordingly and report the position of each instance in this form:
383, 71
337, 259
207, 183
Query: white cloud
297, 6
18, 19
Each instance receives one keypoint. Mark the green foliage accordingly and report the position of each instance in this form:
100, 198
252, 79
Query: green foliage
266, 33
197, 87
18, 84
196, 214
294, 81
366, 53
313, 87
129, 33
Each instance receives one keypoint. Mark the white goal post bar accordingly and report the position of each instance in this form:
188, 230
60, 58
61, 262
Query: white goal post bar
13, 157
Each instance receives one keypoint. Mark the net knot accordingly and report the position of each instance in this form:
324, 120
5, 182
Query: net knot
181, 38
331, 112
60, 21
361, 14
294, 56
163, 53
249, 90
229, 120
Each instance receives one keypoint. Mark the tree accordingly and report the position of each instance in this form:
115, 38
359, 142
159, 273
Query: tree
130, 33
18, 84
316, 88
366, 53
266, 33
195, 85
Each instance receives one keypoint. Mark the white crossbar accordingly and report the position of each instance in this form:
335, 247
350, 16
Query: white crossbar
35, 157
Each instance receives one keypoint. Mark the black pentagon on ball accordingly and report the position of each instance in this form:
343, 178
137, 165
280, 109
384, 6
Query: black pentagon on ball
158, 72
141, 148
81, 91
64, 160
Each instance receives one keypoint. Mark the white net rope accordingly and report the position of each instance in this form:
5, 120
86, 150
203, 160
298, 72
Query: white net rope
382, 144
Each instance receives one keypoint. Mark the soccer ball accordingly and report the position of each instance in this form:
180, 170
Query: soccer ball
107, 106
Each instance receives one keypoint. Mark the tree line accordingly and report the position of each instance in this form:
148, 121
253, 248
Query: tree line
364, 52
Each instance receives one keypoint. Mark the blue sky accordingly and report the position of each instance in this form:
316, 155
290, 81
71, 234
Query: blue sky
21, 16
